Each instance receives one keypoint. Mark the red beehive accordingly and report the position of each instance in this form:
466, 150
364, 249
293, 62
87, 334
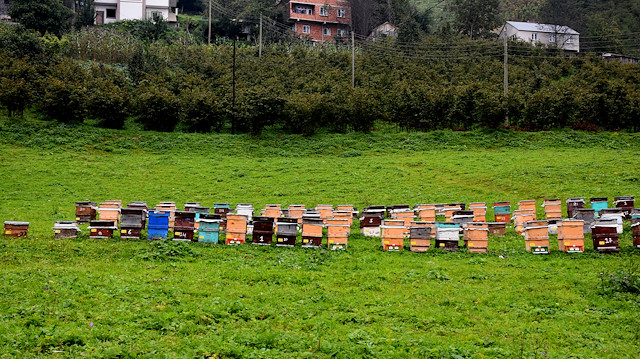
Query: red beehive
497, 229
262, 230
635, 232
16, 229
604, 234
184, 225
101, 229
574, 203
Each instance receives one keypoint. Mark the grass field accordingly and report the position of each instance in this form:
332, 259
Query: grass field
122, 298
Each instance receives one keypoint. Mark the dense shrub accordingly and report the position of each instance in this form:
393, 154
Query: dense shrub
109, 97
64, 92
17, 79
156, 106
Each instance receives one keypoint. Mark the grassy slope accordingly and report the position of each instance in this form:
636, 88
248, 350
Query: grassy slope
267, 302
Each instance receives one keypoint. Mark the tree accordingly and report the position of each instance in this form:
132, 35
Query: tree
41, 15
475, 18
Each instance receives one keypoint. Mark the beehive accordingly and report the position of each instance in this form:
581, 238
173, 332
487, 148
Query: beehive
236, 231
86, 211
571, 236
426, 212
393, 236
462, 216
502, 211
346, 215
312, 232
184, 226
605, 235
497, 229
520, 217
347, 208
479, 211
406, 215
16, 229
286, 231
626, 203
476, 237
635, 233
587, 215
425, 224
449, 209
190, 206
262, 230
158, 224
574, 203
101, 229
133, 220
598, 203
396, 207
420, 237
370, 222
209, 230
325, 210
296, 211
536, 237
109, 211
337, 236
199, 211
447, 237
616, 214
552, 209
65, 229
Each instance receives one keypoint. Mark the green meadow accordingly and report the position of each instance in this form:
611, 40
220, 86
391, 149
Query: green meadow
126, 298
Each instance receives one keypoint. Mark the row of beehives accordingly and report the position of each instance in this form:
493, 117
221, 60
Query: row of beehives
197, 224
570, 234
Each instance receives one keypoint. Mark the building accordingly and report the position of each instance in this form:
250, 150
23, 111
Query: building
385, 29
623, 59
561, 36
4, 10
320, 20
108, 11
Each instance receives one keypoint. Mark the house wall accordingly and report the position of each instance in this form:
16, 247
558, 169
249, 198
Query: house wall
317, 21
104, 8
316, 30
544, 38
130, 10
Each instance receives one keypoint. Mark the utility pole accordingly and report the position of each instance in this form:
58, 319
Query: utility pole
233, 87
186, 39
260, 38
209, 34
353, 60
506, 76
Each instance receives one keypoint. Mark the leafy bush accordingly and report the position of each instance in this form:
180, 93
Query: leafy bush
17, 78
65, 92
109, 98
157, 107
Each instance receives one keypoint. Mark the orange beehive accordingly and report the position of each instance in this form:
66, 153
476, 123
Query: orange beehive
426, 212
528, 204
449, 209
521, 216
236, 229
393, 237
536, 237
346, 207
109, 212
312, 229
571, 235
346, 215
337, 236
325, 210
479, 211
407, 216
296, 211
552, 208
273, 210
476, 237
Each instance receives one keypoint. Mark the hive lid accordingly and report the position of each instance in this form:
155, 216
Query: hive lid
66, 226
16, 223
575, 199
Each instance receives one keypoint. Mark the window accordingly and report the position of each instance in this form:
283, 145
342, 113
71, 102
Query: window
342, 33
111, 13
326, 31
323, 11
552, 38
303, 10
534, 36
341, 13
306, 29
570, 40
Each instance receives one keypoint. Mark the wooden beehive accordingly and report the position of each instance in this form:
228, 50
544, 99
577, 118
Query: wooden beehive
605, 236
447, 238
520, 217
449, 210
325, 210
552, 209
109, 212
426, 224
86, 211
101, 229
571, 236
406, 215
346, 215
479, 211
419, 238
497, 229
527, 204
574, 203
66, 229
16, 229
426, 212
296, 211
635, 233
536, 237
262, 230
312, 232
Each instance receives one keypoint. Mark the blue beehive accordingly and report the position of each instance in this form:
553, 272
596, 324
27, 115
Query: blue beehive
158, 225
598, 204
209, 231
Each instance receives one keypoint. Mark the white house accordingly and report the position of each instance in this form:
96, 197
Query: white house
561, 36
108, 11
385, 29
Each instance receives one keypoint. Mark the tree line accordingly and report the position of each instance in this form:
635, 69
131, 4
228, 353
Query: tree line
107, 77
